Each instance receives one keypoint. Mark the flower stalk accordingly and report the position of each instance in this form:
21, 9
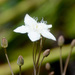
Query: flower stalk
4, 44
61, 66
67, 61
39, 53
20, 70
35, 63
69, 55
8, 60
34, 56
45, 54
40, 66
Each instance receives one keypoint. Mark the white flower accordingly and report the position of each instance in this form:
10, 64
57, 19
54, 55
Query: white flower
35, 29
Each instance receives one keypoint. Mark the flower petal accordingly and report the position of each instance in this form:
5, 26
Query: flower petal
21, 29
47, 34
49, 26
34, 36
29, 20
44, 26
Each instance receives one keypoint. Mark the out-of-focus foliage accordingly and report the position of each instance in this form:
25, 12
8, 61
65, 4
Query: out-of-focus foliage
59, 13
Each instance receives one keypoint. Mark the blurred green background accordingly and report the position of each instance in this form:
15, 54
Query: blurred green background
59, 13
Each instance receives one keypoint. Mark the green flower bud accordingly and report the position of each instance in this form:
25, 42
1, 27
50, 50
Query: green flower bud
46, 52
61, 40
4, 43
20, 61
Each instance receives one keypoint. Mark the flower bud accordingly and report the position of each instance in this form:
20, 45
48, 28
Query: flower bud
73, 43
61, 40
4, 42
51, 73
47, 66
20, 61
46, 52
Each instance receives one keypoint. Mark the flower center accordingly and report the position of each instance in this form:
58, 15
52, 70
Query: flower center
36, 26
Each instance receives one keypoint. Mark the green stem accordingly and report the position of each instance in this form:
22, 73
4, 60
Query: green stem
39, 53
34, 60
61, 66
67, 61
44, 41
8, 61
20, 70
40, 66
36, 51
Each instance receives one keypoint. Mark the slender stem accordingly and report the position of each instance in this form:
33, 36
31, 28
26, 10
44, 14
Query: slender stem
8, 61
61, 66
34, 60
44, 41
40, 66
39, 53
67, 61
20, 70
36, 51
33, 53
